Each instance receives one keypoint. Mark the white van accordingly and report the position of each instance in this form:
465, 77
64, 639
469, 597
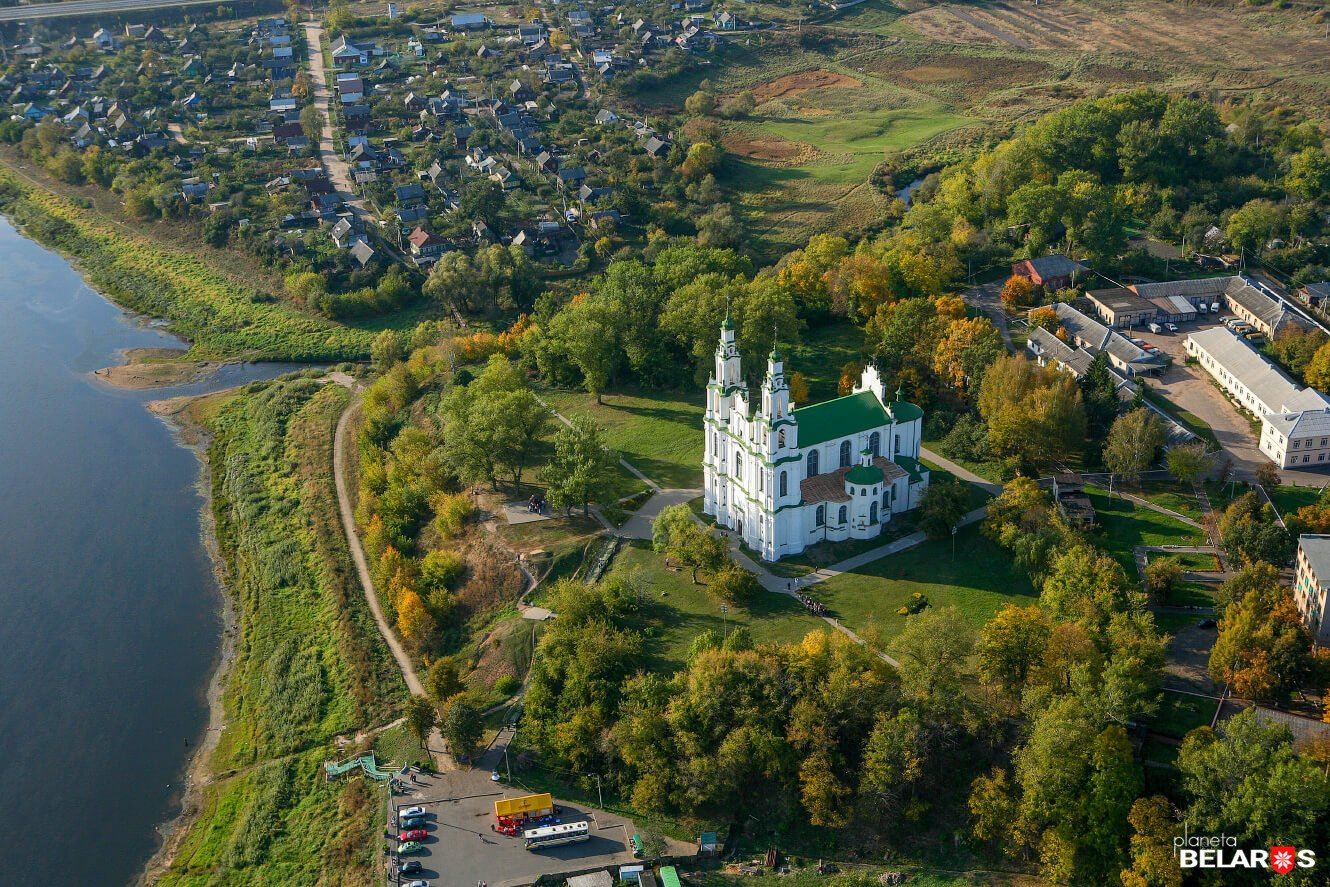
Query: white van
1154, 328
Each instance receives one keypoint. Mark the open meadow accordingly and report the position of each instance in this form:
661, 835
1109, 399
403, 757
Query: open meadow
916, 82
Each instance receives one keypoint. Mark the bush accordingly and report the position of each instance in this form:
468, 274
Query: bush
507, 685
441, 569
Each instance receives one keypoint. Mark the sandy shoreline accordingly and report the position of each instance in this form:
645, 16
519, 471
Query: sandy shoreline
146, 368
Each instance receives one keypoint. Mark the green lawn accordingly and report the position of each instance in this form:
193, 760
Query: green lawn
678, 611
1123, 525
990, 470
1289, 499
822, 353
660, 433
1170, 494
1180, 713
979, 579
852, 144
1194, 594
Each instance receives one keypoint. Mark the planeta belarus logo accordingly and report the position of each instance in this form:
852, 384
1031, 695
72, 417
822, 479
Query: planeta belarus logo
1283, 859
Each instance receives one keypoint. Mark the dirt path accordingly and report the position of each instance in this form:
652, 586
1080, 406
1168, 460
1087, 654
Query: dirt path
442, 760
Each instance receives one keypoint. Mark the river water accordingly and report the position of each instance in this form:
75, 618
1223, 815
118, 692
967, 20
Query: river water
109, 616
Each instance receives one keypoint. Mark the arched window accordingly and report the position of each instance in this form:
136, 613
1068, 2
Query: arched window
898, 445
761, 481
845, 454
784, 484
886, 497
780, 439
874, 444
738, 466
821, 517
872, 513
812, 464
843, 513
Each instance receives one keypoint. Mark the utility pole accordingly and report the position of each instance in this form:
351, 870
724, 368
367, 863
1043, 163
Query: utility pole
599, 795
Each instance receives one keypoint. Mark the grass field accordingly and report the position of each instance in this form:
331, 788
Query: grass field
1180, 713
660, 433
979, 579
1289, 499
1123, 525
678, 611
221, 316
308, 663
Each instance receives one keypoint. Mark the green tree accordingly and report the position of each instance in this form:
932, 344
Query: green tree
582, 469
1132, 443
461, 725
1010, 645
942, 508
1162, 577
1309, 174
1154, 862
387, 349
1100, 396
1033, 414
1255, 223
735, 585
1187, 462
420, 718
933, 650
1246, 780
444, 680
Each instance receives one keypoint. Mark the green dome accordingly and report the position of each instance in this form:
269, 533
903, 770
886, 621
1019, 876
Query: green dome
864, 475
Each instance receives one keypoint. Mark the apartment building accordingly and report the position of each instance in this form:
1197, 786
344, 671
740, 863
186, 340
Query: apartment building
1311, 580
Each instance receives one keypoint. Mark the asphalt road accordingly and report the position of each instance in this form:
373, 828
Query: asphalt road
89, 7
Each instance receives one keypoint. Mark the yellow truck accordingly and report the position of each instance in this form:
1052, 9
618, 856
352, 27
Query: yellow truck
525, 807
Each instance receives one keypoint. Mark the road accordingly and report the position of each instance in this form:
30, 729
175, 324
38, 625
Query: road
339, 173
442, 760
89, 7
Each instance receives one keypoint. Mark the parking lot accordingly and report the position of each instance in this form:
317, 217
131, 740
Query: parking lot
463, 851
1192, 389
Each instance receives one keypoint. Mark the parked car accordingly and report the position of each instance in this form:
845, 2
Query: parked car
415, 834
410, 847
418, 884
1171, 327
411, 867
494, 776
1154, 328
411, 822
409, 812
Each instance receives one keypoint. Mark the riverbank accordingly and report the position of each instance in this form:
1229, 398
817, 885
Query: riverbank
306, 671
223, 317
193, 435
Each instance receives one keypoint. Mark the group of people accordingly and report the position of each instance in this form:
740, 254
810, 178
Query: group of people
536, 504
817, 608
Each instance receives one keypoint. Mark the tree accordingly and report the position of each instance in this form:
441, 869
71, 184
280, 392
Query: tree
1317, 373
1154, 862
1132, 443
1033, 414
654, 845
1263, 650
701, 160
444, 680
1253, 225
1100, 395
671, 523
1246, 780
798, 388
1162, 576
933, 650
387, 349
1009, 646
588, 332
735, 585
1018, 292
966, 351
1267, 475
461, 725
678, 536
1248, 532
582, 469
942, 507
420, 718
700, 103
1187, 462
1309, 174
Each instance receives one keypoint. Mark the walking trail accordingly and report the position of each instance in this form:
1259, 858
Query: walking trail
442, 760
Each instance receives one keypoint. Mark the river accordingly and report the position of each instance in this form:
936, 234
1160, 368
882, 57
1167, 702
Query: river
110, 620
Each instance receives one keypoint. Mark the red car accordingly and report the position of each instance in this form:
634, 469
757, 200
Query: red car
416, 834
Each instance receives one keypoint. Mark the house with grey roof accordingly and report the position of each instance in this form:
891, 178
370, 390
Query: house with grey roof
1128, 358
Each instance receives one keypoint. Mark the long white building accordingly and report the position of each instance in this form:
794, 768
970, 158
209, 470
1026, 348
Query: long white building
786, 478
1295, 421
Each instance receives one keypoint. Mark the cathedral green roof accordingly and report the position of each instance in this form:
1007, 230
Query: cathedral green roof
904, 411
830, 419
864, 474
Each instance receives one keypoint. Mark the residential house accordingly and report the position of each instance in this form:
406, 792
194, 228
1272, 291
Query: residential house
346, 53
469, 21
656, 147
426, 247
362, 252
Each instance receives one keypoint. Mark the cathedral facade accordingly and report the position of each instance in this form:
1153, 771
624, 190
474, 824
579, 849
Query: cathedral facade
785, 478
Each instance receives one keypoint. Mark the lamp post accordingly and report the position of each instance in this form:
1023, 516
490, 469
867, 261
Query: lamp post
724, 615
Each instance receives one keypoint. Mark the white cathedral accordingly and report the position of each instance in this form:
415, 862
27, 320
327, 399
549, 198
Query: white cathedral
786, 478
